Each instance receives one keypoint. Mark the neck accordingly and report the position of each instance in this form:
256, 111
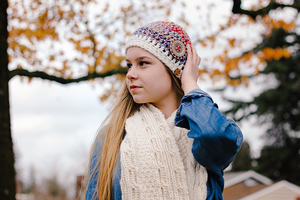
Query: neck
168, 108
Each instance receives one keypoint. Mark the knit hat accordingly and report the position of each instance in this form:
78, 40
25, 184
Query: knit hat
165, 40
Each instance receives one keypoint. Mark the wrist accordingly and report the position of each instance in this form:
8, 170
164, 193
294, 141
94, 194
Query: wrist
189, 86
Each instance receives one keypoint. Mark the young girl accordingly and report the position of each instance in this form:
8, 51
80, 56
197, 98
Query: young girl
164, 138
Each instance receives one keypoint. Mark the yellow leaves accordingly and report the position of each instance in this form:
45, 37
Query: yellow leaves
260, 4
216, 72
121, 77
231, 64
243, 78
29, 79
288, 27
220, 58
84, 49
71, 14
238, 81
231, 42
202, 71
212, 38
203, 43
168, 13
52, 58
250, 19
208, 42
109, 62
233, 19
270, 54
91, 69
246, 57
234, 64
271, 24
106, 8
235, 82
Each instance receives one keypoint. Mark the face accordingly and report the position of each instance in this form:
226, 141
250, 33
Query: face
148, 80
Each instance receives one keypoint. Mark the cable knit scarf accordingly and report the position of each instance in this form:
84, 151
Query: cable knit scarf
156, 160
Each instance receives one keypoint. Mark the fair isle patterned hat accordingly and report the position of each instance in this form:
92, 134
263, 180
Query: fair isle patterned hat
165, 40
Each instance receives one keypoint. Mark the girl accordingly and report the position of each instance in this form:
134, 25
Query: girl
164, 138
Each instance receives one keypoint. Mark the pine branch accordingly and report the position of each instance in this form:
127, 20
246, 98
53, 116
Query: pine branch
45, 76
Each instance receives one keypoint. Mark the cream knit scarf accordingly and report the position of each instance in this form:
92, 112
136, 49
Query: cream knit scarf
156, 160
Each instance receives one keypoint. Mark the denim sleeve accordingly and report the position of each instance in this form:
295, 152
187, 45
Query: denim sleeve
216, 139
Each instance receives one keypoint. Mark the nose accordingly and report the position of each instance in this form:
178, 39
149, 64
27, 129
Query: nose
131, 74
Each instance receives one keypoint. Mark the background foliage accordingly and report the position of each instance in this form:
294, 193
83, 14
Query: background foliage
69, 41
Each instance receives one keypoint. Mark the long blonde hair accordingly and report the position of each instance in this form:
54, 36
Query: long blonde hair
113, 128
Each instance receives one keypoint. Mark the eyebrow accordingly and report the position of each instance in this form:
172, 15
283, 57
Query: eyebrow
139, 58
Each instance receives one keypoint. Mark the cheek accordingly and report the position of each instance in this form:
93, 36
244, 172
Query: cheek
127, 85
127, 82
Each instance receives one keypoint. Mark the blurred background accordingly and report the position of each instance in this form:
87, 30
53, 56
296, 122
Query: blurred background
64, 63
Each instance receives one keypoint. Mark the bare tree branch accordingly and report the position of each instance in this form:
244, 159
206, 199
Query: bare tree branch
45, 76
236, 8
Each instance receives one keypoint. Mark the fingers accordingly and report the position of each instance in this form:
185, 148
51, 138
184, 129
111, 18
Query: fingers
189, 54
192, 57
196, 58
189, 75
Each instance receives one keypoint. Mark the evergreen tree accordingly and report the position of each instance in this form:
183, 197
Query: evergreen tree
278, 106
243, 159
281, 163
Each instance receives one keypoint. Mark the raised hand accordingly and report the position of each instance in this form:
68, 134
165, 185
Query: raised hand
189, 75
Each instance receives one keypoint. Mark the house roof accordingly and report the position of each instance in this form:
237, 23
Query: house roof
273, 188
232, 178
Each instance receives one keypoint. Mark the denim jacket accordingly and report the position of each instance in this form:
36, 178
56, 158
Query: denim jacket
216, 142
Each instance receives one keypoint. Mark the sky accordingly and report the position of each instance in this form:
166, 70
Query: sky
53, 125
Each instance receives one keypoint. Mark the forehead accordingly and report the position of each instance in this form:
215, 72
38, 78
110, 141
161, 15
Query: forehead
135, 52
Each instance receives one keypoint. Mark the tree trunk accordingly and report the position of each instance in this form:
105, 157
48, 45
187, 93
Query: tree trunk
7, 170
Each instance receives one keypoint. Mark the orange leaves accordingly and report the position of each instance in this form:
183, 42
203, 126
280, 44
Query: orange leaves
246, 57
231, 42
202, 71
203, 43
288, 27
234, 82
212, 38
52, 57
66, 38
271, 24
216, 73
270, 54
106, 8
233, 19
231, 64
91, 69
238, 64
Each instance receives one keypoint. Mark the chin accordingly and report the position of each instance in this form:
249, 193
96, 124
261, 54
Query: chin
139, 101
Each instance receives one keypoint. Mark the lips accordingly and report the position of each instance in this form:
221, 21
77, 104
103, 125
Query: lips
134, 87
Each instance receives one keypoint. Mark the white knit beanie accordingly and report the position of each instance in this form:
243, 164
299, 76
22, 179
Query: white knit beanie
165, 40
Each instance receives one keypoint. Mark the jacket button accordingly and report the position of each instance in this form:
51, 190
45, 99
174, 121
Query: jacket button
177, 112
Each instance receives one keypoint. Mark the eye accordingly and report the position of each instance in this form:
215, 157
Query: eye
143, 63
129, 65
